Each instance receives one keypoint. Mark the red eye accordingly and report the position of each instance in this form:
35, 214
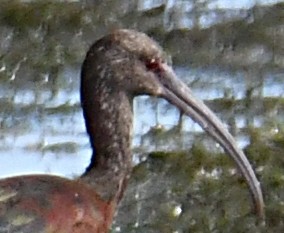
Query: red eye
153, 65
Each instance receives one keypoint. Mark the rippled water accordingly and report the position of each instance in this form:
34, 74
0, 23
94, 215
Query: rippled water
46, 133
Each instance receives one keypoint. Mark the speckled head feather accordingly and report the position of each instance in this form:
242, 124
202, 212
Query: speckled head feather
147, 49
115, 70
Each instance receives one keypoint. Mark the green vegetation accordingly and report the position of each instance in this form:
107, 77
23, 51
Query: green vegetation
212, 195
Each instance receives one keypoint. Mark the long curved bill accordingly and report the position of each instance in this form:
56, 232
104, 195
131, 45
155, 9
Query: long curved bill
177, 93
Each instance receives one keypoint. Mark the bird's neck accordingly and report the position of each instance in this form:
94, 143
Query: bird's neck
109, 124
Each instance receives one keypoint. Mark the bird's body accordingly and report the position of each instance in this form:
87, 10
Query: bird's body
51, 204
117, 68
